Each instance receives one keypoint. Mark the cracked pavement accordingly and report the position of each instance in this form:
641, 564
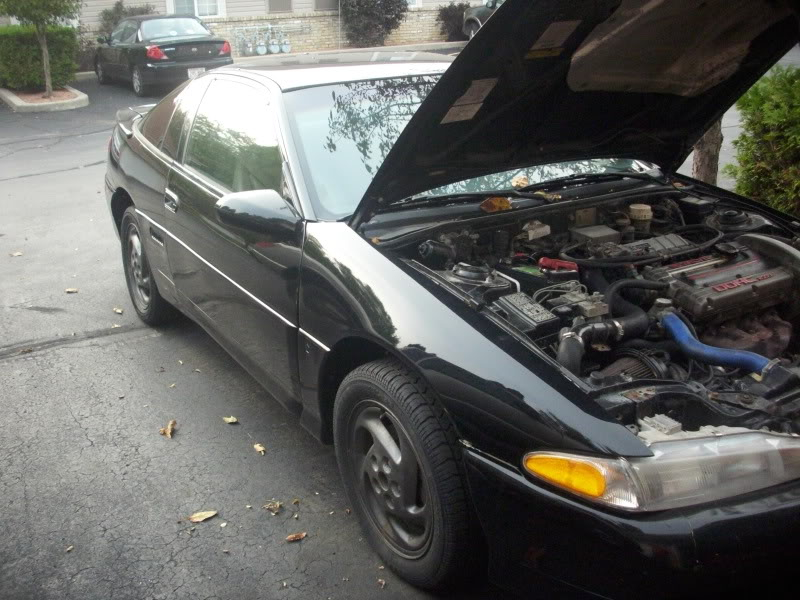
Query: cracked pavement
82, 464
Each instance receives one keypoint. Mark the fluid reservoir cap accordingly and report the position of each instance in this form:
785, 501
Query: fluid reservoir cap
640, 212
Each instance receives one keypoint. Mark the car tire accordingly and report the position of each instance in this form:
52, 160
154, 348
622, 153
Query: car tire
147, 301
407, 490
472, 29
137, 82
102, 76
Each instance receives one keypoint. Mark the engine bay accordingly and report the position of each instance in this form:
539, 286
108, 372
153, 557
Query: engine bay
679, 311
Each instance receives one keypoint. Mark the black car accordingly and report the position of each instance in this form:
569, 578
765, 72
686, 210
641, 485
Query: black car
475, 17
151, 50
486, 285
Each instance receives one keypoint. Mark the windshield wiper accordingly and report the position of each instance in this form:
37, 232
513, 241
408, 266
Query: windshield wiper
593, 177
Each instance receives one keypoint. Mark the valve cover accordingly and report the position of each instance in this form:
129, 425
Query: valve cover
724, 285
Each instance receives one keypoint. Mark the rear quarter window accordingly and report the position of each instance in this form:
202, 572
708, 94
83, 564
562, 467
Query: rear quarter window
154, 125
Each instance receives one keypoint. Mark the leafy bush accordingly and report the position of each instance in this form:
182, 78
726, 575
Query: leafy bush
451, 20
21, 56
768, 150
369, 22
110, 17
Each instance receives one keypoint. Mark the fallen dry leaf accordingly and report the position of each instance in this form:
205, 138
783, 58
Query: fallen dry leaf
180, 362
69, 549
296, 501
296, 537
230, 420
347, 511
115, 325
169, 429
172, 385
382, 583
274, 507
197, 371
26, 351
296, 516
118, 310
248, 506
201, 516
71, 290
15, 254
260, 449
223, 524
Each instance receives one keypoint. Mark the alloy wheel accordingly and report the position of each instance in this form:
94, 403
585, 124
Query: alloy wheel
136, 80
139, 277
389, 480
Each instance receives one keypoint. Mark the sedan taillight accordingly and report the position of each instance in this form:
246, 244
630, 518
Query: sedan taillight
226, 49
156, 53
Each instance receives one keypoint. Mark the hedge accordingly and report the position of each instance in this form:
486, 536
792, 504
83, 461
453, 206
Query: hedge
21, 56
768, 150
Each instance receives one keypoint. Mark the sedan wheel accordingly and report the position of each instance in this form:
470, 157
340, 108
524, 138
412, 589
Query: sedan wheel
400, 464
149, 305
139, 88
102, 77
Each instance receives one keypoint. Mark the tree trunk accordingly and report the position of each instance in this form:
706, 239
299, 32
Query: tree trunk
706, 155
41, 35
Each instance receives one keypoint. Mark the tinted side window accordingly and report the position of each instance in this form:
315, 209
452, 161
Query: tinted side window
155, 122
119, 30
233, 140
190, 95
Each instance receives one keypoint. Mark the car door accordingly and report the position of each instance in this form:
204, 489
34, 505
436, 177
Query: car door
155, 143
240, 284
126, 48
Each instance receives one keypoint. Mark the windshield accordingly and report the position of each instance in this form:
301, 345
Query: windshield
344, 131
179, 26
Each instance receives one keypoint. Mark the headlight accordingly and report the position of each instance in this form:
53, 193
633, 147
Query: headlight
680, 473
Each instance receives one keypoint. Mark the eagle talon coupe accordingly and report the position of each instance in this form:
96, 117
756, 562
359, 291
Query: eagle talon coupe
539, 352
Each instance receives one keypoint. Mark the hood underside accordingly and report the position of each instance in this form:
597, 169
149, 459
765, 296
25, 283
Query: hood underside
547, 81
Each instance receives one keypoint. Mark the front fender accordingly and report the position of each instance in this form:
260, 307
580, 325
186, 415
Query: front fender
504, 398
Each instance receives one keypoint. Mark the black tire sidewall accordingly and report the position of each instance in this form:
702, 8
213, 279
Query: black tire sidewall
426, 570
158, 310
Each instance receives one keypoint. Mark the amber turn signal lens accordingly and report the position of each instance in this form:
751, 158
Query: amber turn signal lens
571, 473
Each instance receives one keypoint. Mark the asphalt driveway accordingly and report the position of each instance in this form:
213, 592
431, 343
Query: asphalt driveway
94, 501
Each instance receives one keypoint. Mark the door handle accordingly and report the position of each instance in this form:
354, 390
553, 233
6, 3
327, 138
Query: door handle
171, 200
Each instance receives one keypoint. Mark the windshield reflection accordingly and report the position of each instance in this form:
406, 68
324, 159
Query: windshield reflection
344, 132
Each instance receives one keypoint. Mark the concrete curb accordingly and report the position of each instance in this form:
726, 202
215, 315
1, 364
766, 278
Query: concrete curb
19, 106
426, 47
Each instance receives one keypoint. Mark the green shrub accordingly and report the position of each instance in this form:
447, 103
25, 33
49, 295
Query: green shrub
369, 22
451, 20
768, 150
110, 17
21, 56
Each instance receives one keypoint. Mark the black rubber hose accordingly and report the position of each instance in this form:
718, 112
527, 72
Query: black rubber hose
596, 282
570, 354
617, 305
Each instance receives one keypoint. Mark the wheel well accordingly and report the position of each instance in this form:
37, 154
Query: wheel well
345, 356
120, 201
472, 21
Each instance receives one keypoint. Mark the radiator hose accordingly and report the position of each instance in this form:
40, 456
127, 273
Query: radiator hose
723, 357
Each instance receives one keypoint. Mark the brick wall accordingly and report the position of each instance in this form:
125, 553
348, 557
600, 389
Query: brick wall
319, 30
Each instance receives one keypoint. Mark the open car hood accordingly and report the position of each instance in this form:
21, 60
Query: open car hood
546, 81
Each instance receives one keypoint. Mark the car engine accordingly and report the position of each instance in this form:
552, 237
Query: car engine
634, 297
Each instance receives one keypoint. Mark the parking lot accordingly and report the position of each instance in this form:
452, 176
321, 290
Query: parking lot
94, 501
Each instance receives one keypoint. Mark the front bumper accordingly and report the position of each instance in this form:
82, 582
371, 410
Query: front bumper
155, 72
541, 540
